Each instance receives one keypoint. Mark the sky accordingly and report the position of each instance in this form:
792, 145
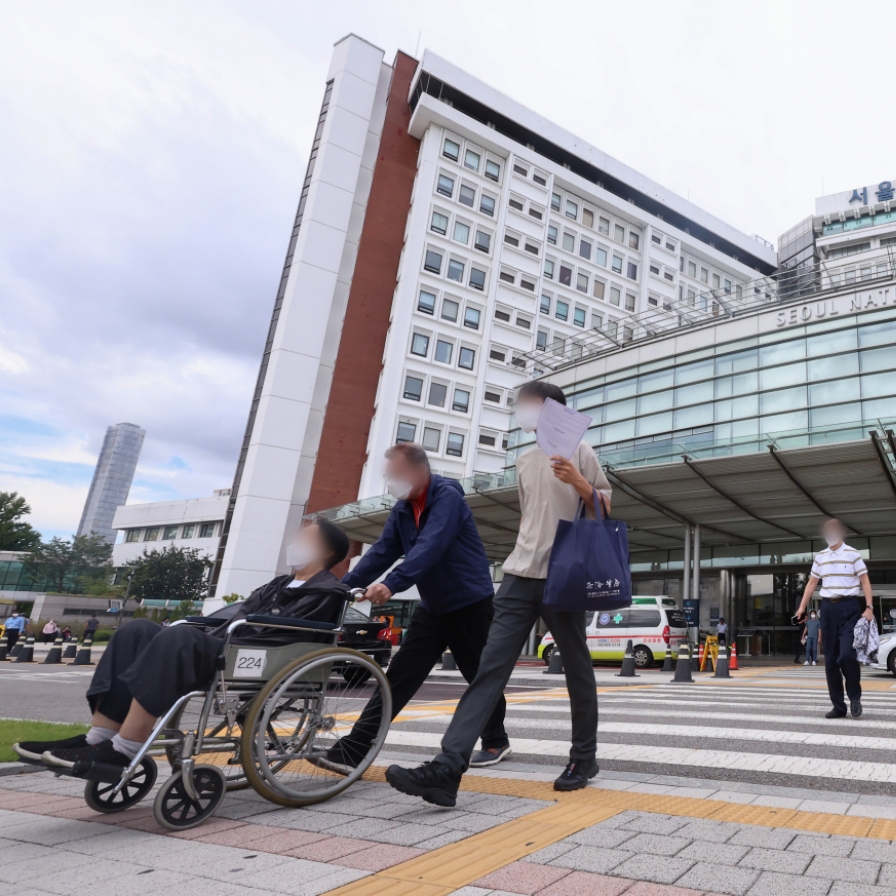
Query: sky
151, 156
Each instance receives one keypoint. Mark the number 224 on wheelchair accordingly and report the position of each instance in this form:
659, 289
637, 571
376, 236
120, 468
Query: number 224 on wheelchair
270, 714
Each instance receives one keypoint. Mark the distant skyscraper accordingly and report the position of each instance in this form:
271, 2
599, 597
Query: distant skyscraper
111, 479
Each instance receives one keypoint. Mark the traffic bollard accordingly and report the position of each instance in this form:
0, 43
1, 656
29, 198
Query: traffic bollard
628, 664
683, 667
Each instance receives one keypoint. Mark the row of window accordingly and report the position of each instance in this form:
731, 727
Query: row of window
456, 268
575, 208
558, 306
460, 230
444, 350
456, 149
169, 533
526, 206
566, 275
690, 267
591, 251
431, 437
523, 169
437, 393
446, 185
449, 310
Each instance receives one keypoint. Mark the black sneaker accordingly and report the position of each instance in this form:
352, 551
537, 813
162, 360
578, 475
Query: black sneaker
855, 708
432, 781
576, 775
485, 758
103, 754
339, 758
836, 714
33, 750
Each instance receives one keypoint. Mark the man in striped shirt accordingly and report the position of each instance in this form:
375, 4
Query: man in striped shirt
845, 596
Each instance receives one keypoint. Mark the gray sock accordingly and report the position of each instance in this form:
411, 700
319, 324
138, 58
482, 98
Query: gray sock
98, 735
127, 748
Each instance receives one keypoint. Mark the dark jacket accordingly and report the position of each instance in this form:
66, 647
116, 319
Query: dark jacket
321, 599
444, 558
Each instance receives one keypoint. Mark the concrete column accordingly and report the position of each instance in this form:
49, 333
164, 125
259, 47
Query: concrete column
686, 568
696, 579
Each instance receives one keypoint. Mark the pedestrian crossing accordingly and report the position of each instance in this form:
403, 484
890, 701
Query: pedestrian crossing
747, 733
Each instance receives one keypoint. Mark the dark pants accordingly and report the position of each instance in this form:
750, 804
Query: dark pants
12, 636
812, 650
464, 632
518, 604
838, 622
153, 666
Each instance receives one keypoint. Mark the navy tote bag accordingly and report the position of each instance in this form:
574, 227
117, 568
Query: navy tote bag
588, 568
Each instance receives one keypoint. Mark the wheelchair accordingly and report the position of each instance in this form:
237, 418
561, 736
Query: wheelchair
268, 714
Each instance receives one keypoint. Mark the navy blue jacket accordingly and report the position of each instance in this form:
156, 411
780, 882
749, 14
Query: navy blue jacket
444, 558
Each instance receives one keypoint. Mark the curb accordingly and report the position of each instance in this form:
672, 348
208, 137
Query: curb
19, 768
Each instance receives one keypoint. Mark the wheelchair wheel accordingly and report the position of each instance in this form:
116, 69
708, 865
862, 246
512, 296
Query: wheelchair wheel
300, 714
176, 810
99, 796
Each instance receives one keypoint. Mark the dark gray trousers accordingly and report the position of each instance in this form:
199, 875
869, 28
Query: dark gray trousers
518, 604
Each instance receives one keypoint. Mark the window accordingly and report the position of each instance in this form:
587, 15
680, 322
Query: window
552, 235
426, 302
549, 269
670, 246
704, 275
598, 291
569, 242
657, 238
612, 327
578, 317
407, 432
531, 248
495, 354
669, 275
629, 302
492, 170
187, 532
562, 312
634, 240
439, 223
716, 281
466, 359
471, 318
455, 445
631, 271
619, 233
603, 225
461, 233
461, 400
445, 185
437, 394
565, 275
432, 262
541, 339
131, 535
587, 217
582, 282
494, 397
431, 438
692, 269
600, 256
206, 530
655, 270
535, 212
483, 241
545, 305
451, 150
450, 309
572, 209
527, 284
614, 295
727, 287
555, 201
515, 203
585, 249
507, 276
444, 350
420, 345
501, 314
488, 438
617, 264
467, 196
487, 205
456, 270
471, 160
523, 322
413, 388
597, 320
477, 278
511, 239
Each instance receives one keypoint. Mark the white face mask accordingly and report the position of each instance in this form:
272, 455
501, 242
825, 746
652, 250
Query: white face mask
400, 489
299, 554
527, 416
832, 539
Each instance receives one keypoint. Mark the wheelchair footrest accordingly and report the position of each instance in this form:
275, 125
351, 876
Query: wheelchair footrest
93, 771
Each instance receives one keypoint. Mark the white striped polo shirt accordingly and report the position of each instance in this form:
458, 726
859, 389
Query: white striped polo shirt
839, 571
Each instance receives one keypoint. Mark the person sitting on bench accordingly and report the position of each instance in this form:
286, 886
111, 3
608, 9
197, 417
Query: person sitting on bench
146, 668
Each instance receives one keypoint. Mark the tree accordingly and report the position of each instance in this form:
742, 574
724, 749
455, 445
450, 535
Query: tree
15, 534
64, 564
177, 574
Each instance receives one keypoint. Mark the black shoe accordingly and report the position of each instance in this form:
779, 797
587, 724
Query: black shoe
576, 775
339, 758
103, 754
33, 750
836, 714
855, 708
432, 781
491, 756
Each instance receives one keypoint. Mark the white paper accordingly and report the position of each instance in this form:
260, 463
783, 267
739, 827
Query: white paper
560, 429
250, 663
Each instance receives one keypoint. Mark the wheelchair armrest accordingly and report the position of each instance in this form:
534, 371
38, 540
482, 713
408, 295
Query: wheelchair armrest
291, 623
211, 621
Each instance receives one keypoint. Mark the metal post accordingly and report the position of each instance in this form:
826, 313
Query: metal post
686, 569
696, 579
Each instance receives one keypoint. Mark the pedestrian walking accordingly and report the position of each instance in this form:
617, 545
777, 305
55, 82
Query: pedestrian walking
92, 625
845, 598
15, 626
800, 642
49, 631
550, 490
811, 638
432, 527
722, 631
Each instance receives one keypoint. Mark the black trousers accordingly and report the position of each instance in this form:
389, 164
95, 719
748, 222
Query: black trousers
152, 665
464, 632
838, 622
12, 636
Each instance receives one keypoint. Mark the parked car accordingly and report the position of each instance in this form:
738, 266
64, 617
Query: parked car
651, 623
886, 653
361, 633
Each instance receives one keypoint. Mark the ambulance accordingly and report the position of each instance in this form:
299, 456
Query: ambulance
650, 623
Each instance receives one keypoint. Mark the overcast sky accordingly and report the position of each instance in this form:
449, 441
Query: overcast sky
151, 156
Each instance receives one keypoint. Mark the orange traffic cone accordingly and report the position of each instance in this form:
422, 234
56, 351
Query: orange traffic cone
732, 658
702, 658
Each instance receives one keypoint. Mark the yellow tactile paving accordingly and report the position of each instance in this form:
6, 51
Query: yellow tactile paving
882, 829
824, 823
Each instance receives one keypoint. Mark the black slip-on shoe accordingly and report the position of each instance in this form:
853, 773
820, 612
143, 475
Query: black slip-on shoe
855, 708
485, 758
33, 750
576, 775
836, 714
102, 754
432, 781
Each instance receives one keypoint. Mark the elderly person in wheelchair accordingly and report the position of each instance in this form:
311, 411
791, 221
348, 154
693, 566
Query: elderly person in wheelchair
146, 668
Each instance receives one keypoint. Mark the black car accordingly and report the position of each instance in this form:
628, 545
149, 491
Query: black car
359, 632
